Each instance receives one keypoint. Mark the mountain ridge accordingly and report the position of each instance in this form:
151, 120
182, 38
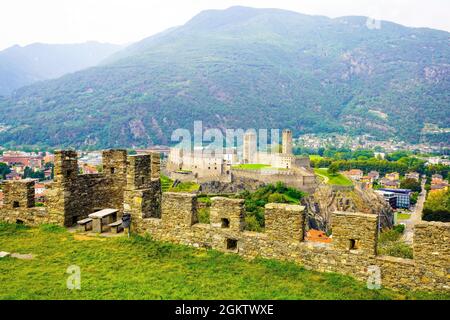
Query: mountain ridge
311, 74
24, 65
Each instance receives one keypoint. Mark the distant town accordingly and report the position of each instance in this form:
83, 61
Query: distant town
400, 189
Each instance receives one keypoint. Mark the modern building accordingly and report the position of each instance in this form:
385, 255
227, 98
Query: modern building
403, 197
390, 197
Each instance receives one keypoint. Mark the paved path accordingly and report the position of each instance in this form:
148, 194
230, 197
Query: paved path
416, 216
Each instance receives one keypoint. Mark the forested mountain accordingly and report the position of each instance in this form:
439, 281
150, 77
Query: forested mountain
21, 66
243, 68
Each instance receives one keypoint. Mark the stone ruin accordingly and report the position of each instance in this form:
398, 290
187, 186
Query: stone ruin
132, 184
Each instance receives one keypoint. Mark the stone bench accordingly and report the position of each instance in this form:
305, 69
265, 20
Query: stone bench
85, 224
116, 227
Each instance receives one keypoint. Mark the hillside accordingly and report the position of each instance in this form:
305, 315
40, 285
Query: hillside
21, 66
307, 73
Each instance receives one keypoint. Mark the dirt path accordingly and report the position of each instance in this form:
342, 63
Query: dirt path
416, 216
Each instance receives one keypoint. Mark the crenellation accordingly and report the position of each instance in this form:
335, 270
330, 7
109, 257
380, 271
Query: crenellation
173, 217
19, 194
227, 213
355, 232
285, 222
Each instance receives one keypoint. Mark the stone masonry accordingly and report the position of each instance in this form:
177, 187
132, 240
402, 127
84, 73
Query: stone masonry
131, 184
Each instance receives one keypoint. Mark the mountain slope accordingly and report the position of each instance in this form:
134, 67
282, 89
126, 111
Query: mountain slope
243, 68
21, 66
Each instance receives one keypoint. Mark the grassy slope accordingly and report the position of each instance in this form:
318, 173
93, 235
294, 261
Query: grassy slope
251, 166
139, 268
337, 179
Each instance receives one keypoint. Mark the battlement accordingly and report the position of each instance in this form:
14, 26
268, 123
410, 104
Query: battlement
19, 194
129, 183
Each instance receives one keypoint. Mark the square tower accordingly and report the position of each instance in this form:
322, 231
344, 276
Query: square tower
250, 147
287, 142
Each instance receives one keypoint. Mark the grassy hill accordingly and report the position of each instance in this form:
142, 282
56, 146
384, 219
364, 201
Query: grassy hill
139, 268
286, 70
333, 179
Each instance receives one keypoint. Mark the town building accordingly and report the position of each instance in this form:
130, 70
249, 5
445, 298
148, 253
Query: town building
393, 176
403, 197
390, 197
375, 175
354, 174
413, 175
392, 184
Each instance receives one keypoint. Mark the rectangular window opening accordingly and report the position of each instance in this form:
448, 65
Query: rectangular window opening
232, 244
225, 223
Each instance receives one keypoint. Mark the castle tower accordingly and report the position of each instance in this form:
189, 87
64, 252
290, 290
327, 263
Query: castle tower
287, 142
66, 166
250, 147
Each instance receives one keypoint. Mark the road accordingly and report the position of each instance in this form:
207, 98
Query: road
416, 216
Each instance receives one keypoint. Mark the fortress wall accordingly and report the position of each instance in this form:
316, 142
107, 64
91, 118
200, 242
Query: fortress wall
173, 217
283, 240
291, 179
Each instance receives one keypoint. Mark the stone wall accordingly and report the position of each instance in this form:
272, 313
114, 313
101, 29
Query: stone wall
290, 177
352, 252
125, 182
173, 217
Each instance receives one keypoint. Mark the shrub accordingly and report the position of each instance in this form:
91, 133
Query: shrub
399, 228
203, 215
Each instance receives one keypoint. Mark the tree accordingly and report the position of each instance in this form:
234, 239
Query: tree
333, 169
4, 170
411, 184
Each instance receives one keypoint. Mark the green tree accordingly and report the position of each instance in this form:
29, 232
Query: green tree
411, 184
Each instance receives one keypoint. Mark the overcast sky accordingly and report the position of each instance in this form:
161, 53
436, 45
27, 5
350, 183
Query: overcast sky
123, 21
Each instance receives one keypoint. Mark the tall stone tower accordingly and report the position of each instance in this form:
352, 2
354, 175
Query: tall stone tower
250, 147
287, 142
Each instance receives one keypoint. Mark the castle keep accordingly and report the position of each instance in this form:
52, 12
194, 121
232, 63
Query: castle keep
131, 184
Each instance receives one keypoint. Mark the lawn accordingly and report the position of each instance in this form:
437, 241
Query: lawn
251, 166
315, 157
166, 186
337, 179
403, 216
140, 268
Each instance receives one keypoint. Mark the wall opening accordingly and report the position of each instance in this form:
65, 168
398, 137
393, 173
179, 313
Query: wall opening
353, 244
225, 223
113, 170
69, 172
16, 204
18, 221
143, 180
232, 244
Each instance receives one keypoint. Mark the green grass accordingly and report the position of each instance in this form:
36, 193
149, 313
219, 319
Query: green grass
140, 268
166, 186
403, 216
251, 166
315, 157
390, 244
337, 179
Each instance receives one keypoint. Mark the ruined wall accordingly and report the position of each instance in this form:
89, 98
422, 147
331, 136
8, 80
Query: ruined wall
289, 177
173, 217
352, 252
73, 196
142, 192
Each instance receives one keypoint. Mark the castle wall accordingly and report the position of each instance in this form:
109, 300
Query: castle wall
173, 217
290, 178
283, 240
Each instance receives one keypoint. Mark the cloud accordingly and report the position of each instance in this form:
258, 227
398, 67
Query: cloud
123, 21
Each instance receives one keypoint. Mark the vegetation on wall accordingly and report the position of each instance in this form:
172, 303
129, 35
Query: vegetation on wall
256, 201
